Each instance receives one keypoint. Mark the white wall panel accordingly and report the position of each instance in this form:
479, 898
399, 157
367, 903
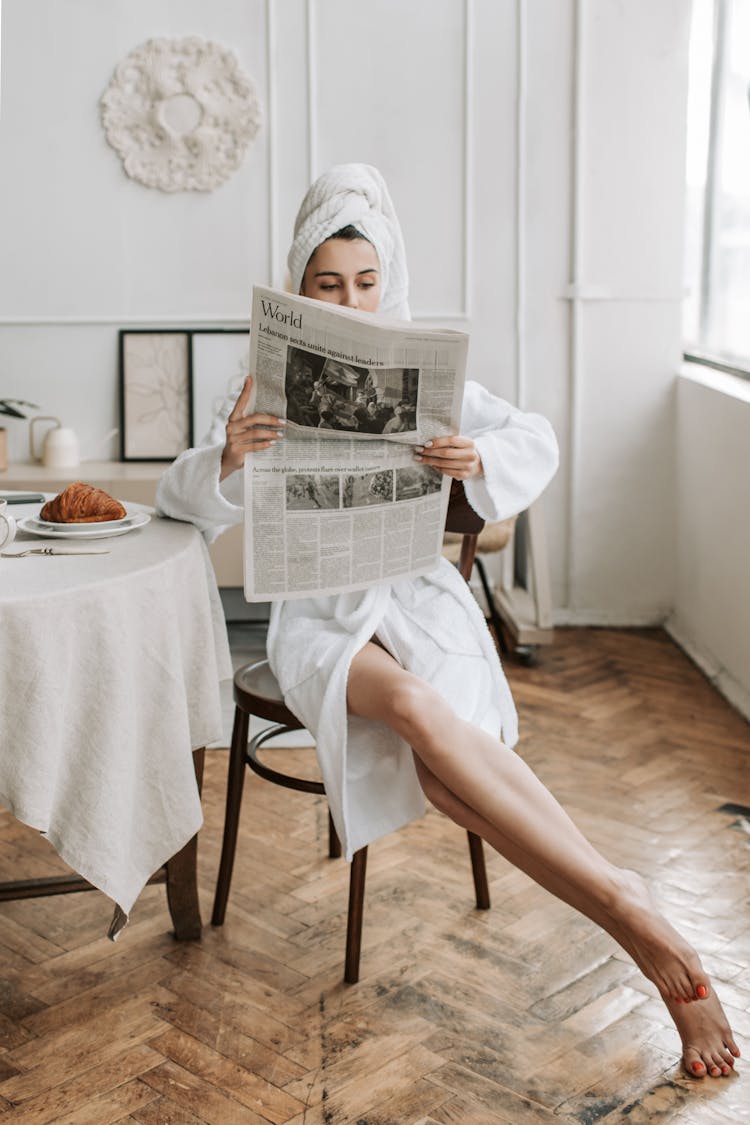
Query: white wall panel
84, 239
624, 532
635, 145
493, 210
625, 267
396, 99
547, 247
289, 139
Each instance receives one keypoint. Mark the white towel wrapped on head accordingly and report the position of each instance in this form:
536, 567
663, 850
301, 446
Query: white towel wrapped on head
353, 195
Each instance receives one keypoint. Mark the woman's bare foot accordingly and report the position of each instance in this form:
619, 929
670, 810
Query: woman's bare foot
708, 1047
660, 952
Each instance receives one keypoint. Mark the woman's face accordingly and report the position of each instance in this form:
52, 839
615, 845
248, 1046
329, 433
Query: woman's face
344, 273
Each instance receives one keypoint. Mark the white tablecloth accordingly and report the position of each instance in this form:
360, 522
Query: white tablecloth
109, 678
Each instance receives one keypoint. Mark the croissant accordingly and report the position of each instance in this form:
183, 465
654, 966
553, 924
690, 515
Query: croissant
82, 503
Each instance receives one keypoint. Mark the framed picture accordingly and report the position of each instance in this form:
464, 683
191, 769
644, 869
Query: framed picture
220, 362
155, 394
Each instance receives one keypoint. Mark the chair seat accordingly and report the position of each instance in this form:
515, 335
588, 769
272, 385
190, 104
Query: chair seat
256, 691
258, 679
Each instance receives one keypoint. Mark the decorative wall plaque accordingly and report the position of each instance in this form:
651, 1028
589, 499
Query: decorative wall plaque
180, 113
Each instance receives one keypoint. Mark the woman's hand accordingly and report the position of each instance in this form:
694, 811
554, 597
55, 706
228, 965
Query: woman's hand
453, 455
247, 434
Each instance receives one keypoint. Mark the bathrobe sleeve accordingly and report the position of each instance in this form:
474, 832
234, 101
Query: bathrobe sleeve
518, 450
190, 488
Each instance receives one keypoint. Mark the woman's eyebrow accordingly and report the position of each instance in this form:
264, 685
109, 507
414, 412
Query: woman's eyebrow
335, 273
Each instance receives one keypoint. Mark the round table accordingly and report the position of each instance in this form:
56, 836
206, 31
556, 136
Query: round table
109, 679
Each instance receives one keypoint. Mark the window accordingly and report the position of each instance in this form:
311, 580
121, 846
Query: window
717, 262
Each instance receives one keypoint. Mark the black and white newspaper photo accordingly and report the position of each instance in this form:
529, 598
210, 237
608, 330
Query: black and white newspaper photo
340, 503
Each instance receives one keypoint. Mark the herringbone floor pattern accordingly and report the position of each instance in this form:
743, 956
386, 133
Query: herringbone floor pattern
526, 1013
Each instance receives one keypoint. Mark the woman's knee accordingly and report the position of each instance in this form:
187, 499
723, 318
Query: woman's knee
418, 712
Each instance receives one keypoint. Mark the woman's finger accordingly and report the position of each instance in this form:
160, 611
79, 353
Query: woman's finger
452, 466
451, 445
460, 461
450, 440
238, 425
248, 437
446, 453
244, 397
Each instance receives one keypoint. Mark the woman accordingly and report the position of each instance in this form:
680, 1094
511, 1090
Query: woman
400, 683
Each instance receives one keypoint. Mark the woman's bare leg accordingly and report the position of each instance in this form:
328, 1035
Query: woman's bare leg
486, 787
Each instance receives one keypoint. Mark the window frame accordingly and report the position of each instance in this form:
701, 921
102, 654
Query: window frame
693, 352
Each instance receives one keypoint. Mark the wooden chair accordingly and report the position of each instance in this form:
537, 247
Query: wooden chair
256, 692
493, 538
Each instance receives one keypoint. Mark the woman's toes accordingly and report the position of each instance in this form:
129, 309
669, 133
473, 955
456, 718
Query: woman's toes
694, 1064
717, 1060
694, 987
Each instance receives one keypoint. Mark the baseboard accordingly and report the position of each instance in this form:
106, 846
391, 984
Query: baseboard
612, 618
724, 682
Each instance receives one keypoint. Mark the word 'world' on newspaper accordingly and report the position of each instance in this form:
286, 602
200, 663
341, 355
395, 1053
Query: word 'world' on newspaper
340, 503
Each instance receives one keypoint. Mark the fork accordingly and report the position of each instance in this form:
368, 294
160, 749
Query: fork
49, 551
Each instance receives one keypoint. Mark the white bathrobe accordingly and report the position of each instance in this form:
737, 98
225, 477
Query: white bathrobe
431, 625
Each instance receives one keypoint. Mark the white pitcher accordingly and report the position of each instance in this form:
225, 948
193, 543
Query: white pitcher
60, 449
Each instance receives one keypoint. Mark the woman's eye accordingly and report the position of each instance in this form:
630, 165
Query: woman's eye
328, 285
366, 284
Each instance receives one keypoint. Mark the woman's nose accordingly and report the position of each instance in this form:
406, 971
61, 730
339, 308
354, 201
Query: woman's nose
351, 297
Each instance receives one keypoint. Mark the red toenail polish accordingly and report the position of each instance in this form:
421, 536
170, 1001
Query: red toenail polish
678, 999
697, 1066
701, 992
725, 1070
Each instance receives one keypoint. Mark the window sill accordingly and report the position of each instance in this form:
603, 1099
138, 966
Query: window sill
733, 386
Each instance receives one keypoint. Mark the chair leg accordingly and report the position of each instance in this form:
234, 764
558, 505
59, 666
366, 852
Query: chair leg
479, 871
334, 844
354, 923
235, 782
494, 615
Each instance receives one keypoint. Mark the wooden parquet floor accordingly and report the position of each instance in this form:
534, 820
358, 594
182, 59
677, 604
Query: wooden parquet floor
523, 1014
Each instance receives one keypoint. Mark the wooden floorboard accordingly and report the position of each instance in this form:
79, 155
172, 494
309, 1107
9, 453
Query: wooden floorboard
522, 1014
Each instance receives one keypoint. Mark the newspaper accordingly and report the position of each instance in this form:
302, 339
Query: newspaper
340, 502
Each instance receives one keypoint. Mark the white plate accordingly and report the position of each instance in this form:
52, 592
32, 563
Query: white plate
84, 530
96, 523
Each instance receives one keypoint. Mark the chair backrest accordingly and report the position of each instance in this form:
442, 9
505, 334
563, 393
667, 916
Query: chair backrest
462, 518
466, 558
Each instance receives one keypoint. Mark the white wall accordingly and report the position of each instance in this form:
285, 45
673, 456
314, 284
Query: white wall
712, 605
535, 154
